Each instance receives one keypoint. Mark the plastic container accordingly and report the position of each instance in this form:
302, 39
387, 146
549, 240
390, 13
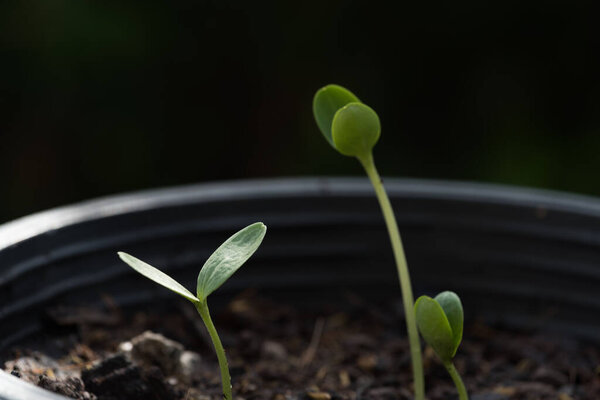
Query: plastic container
521, 257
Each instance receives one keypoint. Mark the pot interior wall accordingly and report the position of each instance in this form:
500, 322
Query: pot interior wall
523, 258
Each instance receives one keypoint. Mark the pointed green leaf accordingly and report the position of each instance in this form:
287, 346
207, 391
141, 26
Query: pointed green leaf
327, 101
228, 258
434, 327
450, 303
355, 129
157, 276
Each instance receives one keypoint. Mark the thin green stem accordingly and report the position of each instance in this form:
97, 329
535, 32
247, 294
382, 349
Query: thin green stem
458, 382
403, 274
202, 308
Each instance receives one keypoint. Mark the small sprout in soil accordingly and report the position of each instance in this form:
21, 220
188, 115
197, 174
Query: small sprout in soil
440, 321
219, 267
353, 129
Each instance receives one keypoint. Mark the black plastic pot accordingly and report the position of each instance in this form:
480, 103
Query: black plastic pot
524, 258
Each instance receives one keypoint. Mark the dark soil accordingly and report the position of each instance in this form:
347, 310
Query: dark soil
278, 353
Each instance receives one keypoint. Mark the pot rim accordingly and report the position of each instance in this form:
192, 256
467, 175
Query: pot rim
24, 228
13, 388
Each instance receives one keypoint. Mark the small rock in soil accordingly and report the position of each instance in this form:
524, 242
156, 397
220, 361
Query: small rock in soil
154, 350
318, 395
273, 350
190, 363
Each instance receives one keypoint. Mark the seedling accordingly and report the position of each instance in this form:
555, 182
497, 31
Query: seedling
440, 321
353, 128
219, 267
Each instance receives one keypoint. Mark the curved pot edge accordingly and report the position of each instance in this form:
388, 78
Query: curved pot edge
13, 388
26, 227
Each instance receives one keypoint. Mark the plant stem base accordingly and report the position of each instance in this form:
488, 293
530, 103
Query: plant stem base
202, 308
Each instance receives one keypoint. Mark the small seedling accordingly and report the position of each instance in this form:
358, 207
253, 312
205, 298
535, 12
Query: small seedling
353, 128
219, 267
440, 321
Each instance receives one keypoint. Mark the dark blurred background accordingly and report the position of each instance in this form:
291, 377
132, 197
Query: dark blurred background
100, 97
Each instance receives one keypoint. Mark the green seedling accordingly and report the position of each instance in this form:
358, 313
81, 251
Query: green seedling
440, 321
353, 128
219, 267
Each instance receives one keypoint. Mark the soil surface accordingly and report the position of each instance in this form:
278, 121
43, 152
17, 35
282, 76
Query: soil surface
278, 353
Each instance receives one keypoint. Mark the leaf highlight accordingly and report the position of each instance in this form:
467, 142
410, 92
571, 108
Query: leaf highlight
157, 276
450, 303
228, 258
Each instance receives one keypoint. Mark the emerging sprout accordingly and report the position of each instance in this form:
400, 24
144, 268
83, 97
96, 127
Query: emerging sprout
353, 128
440, 321
219, 267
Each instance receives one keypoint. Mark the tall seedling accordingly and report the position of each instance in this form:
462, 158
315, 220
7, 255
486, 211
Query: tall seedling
353, 129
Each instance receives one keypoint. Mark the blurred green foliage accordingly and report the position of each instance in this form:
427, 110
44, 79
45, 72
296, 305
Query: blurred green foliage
99, 97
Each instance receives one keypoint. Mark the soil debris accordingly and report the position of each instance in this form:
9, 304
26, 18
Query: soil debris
152, 349
117, 378
352, 355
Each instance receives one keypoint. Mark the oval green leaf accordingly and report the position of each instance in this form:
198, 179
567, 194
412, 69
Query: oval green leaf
450, 303
434, 327
157, 276
356, 129
327, 101
228, 258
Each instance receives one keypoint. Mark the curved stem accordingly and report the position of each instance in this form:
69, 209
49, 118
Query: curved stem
202, 308
458, 382
403, 274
